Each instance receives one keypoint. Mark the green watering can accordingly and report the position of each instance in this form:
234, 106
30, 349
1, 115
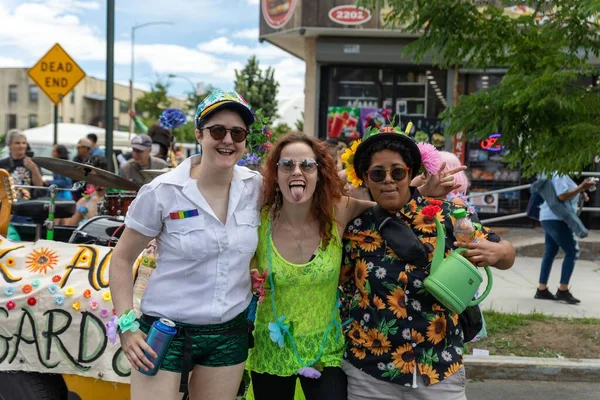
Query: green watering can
453, 281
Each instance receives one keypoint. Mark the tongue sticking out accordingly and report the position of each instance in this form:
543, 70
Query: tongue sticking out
297, 192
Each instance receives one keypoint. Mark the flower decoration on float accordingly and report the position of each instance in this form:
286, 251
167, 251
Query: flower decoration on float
9, 291
258, 142
40, 260
59, 300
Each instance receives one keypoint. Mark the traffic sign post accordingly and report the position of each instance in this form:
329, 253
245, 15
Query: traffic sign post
56, 73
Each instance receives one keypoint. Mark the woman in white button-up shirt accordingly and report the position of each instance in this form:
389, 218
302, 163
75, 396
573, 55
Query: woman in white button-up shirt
204, 217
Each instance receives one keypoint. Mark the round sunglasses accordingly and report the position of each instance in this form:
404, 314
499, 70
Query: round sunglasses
287, 165
377, 174
218, 132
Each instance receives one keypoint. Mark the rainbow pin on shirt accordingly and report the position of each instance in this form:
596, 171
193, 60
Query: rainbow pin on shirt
183, 214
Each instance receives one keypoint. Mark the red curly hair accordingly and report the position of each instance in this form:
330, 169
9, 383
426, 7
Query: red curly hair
329, 188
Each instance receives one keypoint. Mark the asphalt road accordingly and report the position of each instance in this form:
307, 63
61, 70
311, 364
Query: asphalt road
532, 390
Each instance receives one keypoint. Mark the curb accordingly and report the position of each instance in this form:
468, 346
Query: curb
589, 250
530, 242
532, 369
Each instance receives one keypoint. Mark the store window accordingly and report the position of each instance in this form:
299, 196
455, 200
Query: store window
33, 93
32, 120
11, 121
123, 106
484, 158
363, 97
12, 93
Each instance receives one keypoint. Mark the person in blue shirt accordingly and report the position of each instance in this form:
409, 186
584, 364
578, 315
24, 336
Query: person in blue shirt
560, 236
96, 150
61, 152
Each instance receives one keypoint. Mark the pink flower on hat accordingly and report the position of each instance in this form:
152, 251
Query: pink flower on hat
430, 158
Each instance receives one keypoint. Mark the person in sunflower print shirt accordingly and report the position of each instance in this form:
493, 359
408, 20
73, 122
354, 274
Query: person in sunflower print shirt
402, 343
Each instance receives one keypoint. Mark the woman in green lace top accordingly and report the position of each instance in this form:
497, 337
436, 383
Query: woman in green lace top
298, 329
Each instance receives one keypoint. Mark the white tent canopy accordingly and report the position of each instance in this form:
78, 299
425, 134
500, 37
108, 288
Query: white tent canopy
69, 135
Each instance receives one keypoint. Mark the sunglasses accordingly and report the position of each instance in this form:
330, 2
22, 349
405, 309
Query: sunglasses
377, 175
287, 165
218, 132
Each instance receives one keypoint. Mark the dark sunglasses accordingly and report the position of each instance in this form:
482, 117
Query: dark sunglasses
377, 175
287, 165
218, 132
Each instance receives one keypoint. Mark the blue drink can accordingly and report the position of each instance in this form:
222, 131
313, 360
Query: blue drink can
159, 338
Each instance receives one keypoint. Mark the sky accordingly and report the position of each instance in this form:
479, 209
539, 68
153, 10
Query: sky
207, 41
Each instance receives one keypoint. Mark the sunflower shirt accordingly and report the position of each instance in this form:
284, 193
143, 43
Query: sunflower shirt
397, 326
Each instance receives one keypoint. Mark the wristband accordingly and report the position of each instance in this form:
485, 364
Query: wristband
128, 322
124, 323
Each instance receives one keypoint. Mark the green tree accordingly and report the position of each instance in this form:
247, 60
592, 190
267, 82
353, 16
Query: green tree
195, 98
300, 123
281, 129
151, 104
258, 88
548, 120
186, 133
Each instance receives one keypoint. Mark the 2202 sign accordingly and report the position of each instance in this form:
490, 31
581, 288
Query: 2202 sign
349, 15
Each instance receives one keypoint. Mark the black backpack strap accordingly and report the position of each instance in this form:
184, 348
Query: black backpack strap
401, 238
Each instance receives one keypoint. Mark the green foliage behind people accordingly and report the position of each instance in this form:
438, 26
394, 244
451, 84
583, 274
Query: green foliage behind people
549, 120
258, 88
151, 104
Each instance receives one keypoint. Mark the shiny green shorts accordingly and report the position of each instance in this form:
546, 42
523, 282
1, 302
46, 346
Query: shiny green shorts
219, 345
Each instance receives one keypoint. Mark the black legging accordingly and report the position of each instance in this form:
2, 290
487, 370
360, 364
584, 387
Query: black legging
330, 386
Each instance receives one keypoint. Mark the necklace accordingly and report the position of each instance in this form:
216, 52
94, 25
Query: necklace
299, 250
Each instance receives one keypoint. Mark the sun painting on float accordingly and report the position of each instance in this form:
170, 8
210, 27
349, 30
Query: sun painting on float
41, 260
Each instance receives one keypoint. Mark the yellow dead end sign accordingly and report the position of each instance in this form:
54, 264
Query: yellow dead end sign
56, 73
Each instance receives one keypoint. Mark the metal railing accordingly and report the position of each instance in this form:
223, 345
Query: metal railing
523, 187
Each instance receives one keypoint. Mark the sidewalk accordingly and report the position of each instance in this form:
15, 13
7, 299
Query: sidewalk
513, 292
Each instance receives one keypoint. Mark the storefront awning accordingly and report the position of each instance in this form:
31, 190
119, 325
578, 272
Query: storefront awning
95, 96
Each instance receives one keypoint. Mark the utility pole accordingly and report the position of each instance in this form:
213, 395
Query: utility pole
110, 70
132, 66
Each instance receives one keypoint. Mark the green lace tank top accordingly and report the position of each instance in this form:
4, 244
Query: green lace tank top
306, 294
